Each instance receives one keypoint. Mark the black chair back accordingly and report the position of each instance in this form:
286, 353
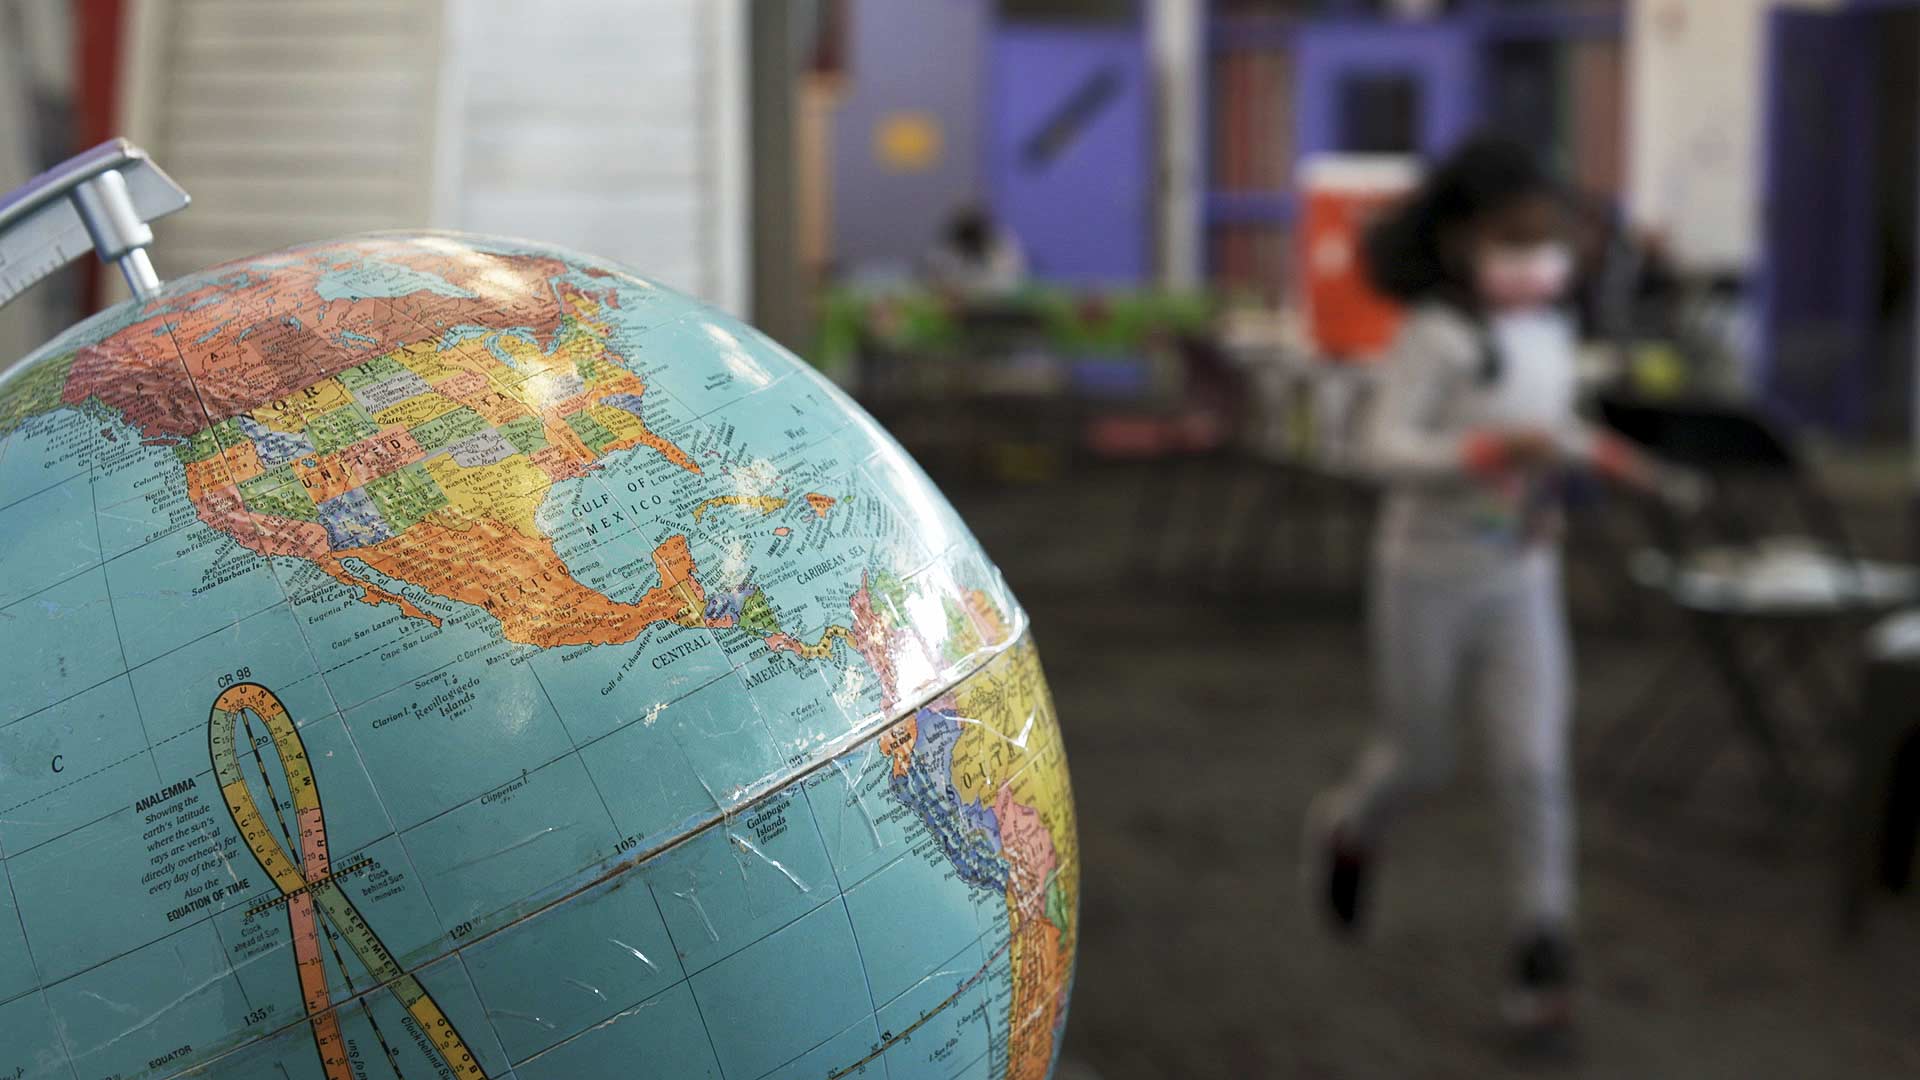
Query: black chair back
1762, 486
1712, 438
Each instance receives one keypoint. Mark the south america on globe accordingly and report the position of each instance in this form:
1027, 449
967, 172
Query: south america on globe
434, 656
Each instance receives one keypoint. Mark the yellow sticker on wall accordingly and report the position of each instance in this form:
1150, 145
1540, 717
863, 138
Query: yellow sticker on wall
907, 141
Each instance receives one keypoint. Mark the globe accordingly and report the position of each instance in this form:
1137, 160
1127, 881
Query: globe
436, 656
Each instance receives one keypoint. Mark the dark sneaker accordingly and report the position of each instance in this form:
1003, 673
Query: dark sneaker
1539, 1003
1347, 886
1336, 872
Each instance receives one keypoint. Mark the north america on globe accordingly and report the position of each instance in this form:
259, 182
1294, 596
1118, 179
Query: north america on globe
439, 656
421, 462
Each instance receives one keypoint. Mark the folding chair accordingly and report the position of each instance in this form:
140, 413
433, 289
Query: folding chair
1763, 578
948, 402
1315, 505
1880, 823
1178, 522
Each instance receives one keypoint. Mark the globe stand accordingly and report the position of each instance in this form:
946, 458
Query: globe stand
102, 199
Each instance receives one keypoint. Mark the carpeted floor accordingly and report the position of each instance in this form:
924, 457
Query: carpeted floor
1202, 714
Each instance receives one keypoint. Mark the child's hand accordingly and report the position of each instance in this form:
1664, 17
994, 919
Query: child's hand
1681, 488
1686, 490
1500, 452
1529, 448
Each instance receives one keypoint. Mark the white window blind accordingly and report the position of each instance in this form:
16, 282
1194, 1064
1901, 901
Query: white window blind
287, 120
617, 127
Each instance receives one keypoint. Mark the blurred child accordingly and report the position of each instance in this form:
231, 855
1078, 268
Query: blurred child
1474, 433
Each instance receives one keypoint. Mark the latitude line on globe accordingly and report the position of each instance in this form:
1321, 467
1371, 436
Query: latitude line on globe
311, 890
905, 1033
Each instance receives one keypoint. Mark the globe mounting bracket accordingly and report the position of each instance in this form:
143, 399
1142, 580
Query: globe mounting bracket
101, 200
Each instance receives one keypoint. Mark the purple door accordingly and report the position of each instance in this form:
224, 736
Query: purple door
1819, 261
1070, 155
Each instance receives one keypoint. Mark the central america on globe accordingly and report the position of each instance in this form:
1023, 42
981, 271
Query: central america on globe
432, 655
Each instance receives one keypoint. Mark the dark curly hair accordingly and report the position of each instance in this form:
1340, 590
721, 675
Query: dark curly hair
1485, 174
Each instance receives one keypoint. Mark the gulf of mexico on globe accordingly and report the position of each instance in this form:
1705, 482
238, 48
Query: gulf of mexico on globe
435, 656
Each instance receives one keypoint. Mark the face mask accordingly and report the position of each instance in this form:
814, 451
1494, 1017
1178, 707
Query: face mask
1520, 277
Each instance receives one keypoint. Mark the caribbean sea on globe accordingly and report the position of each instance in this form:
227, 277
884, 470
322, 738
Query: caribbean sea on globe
432, 656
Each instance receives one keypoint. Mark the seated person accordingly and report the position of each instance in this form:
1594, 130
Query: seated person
976, 255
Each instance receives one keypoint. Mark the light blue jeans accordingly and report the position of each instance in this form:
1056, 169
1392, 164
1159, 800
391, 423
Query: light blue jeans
1494, 646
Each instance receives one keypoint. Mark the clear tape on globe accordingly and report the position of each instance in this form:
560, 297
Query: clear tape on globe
430, 655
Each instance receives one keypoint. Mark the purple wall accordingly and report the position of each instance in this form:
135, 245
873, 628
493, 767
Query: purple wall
1070, 154
1818, 293
923, 55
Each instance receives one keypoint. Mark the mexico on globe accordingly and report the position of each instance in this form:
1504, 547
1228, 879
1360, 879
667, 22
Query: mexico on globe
429, 655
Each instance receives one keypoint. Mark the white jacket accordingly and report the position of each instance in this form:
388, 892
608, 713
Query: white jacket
1448, 388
